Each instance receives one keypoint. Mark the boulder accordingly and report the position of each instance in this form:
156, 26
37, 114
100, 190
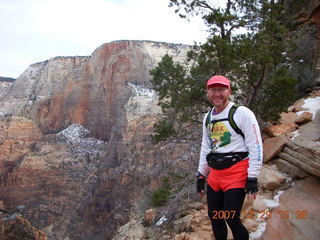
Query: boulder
306, 158
197, 226
196, 205
297, 216
183, 224
273, 146
292, 170
150, 216
270, 179
298, 105
277, 130
305, 117
288, 117
304, 150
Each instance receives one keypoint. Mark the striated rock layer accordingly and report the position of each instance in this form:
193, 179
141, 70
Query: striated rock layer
91, 91
75, 147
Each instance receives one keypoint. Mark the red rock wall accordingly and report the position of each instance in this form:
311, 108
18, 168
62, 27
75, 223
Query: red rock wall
95, 96
67, 194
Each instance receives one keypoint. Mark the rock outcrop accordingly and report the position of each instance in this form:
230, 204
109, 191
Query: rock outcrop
17, 227
74, 139
297, 216
297, 213
17, 137
303, 151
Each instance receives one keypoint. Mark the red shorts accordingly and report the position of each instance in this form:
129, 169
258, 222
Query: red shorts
232, 177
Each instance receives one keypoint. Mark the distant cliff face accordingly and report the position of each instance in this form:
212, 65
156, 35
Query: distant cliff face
4, 89
91, 91
74, 140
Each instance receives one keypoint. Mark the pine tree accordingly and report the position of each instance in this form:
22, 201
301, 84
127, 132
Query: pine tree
247, 43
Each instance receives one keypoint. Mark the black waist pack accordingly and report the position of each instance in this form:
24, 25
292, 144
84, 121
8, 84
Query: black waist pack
225, 160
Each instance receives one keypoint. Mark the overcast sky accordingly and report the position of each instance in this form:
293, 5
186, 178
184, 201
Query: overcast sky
36, 30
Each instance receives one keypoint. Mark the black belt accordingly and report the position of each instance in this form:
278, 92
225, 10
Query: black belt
225, 160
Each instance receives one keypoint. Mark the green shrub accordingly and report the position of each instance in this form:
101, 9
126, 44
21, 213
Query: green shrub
160, 197
163, 130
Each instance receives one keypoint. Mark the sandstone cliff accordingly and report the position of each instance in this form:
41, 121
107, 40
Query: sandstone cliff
91, 91
74, 139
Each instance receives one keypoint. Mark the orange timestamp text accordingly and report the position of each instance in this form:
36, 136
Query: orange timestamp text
284, 214
223, 214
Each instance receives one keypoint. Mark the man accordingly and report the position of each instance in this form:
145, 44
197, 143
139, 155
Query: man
231, 156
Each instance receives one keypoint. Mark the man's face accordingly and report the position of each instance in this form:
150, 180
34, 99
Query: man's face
218, 96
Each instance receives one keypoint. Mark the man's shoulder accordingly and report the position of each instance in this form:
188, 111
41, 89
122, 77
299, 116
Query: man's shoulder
243, 108
243, 111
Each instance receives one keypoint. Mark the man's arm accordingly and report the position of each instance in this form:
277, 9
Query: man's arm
250, 127
205, 149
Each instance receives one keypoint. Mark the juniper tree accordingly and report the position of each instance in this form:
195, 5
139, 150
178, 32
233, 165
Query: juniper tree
247, 42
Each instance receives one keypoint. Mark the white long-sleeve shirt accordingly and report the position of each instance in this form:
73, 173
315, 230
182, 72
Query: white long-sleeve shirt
225, 140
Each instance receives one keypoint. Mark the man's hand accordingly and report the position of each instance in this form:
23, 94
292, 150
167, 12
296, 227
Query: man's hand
252, 188
200, 185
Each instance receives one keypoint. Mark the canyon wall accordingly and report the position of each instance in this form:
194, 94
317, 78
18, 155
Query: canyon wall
75, 146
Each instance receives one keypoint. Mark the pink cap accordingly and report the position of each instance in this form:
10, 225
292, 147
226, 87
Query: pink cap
218, 80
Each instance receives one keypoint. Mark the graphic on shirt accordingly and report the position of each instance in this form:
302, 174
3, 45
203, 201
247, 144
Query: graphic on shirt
219, 135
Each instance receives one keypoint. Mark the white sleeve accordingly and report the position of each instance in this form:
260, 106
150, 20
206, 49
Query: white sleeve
205, 149
251, 130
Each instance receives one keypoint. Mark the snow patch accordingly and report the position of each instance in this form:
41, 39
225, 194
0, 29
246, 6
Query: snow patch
161, 220
271, 203
139, 91
258, 233
295, 134
312, 105
74, 133
82, 146
143, 102
277, 196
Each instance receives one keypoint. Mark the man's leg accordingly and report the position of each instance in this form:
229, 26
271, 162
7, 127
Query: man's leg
215, 201
233, 201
